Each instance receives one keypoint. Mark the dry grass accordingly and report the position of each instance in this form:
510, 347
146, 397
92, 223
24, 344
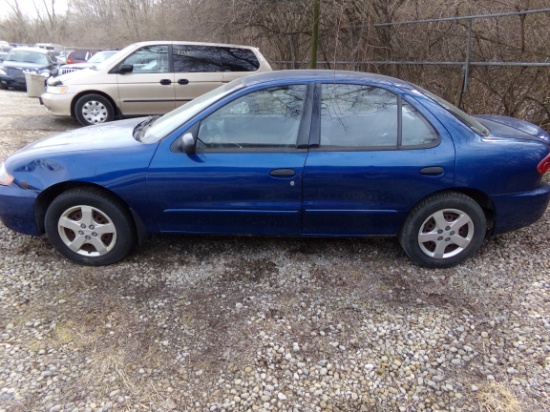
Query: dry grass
496, 397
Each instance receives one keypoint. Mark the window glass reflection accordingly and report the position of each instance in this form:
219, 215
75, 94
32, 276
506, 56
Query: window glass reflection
261, 119
358, 116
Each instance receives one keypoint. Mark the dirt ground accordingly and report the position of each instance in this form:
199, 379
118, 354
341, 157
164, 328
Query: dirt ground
236, 323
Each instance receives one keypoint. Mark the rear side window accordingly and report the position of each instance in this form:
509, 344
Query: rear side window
359, 116
209, 59
416, 130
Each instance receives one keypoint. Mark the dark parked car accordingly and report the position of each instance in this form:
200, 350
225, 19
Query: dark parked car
80, 56
296, 153
22, 59
4, 49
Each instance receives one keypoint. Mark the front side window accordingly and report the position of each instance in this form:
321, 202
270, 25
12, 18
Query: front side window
358, 116
268, 118
149, 59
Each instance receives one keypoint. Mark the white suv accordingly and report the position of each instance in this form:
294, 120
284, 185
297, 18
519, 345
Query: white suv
149, 78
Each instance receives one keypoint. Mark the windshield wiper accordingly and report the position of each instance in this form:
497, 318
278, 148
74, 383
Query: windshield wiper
139, 130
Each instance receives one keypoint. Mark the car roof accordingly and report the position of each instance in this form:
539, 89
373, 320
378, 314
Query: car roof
32, 49
322, 75
190, 43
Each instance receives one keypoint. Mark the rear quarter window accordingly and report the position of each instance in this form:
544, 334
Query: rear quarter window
239, 60
211, 59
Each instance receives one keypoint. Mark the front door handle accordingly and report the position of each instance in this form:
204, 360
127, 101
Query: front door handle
432, 170
183, 81
166, 82
283, 173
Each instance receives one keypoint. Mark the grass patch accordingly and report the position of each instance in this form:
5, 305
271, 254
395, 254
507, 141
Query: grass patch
496, 397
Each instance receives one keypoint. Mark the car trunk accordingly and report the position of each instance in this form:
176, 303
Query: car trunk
503, 126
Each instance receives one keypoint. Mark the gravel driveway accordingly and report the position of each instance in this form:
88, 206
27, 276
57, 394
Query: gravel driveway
268, 324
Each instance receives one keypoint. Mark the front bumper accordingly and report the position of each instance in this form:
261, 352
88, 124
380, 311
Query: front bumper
17, 209
57, 104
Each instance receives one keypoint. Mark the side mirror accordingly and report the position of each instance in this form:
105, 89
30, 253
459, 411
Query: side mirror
188, 143
126, 68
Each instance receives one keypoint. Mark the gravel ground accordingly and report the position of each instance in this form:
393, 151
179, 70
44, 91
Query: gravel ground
268, 324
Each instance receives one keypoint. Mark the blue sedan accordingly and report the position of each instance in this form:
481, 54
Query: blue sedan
293, 153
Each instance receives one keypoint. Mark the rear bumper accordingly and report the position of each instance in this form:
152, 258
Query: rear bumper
518, 210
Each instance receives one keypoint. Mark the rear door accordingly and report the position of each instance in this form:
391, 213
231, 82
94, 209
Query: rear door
198, 69
149, 88
377, 157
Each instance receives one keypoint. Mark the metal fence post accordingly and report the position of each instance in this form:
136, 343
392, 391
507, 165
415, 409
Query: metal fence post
466, 69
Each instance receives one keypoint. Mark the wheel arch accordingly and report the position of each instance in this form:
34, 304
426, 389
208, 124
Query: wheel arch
480, 197
118, 113
47, 196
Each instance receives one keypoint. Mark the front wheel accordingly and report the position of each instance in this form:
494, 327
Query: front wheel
443, 230
94, 109
89, 227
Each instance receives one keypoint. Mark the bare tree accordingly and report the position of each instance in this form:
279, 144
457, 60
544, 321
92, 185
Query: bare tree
350, 31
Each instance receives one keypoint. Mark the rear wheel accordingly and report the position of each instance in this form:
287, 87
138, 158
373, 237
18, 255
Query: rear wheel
443, 230
89, 227
94, 109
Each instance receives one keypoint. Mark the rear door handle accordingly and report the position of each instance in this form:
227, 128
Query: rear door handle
183, 81
283, 173
166, 82
432, 170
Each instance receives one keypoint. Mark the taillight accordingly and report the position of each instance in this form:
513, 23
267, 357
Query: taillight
544, 165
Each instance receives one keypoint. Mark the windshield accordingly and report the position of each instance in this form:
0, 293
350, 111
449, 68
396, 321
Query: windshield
26, 56
462, 116
174, 119
101, 56
107, 62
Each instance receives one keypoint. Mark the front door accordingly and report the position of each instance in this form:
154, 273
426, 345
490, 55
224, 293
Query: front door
246, 176
149, 88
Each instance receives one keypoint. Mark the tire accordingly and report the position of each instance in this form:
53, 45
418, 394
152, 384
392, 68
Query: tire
443, 230
94, 109
89, 227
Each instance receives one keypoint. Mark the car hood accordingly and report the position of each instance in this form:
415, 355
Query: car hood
504, 126
109, 136
81, 77
8, 64
77, 66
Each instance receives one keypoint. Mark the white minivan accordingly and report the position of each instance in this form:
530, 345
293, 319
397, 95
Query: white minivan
148, 78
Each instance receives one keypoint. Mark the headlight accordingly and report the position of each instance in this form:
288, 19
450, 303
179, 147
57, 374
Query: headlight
57, 89
2, 72
5, 178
